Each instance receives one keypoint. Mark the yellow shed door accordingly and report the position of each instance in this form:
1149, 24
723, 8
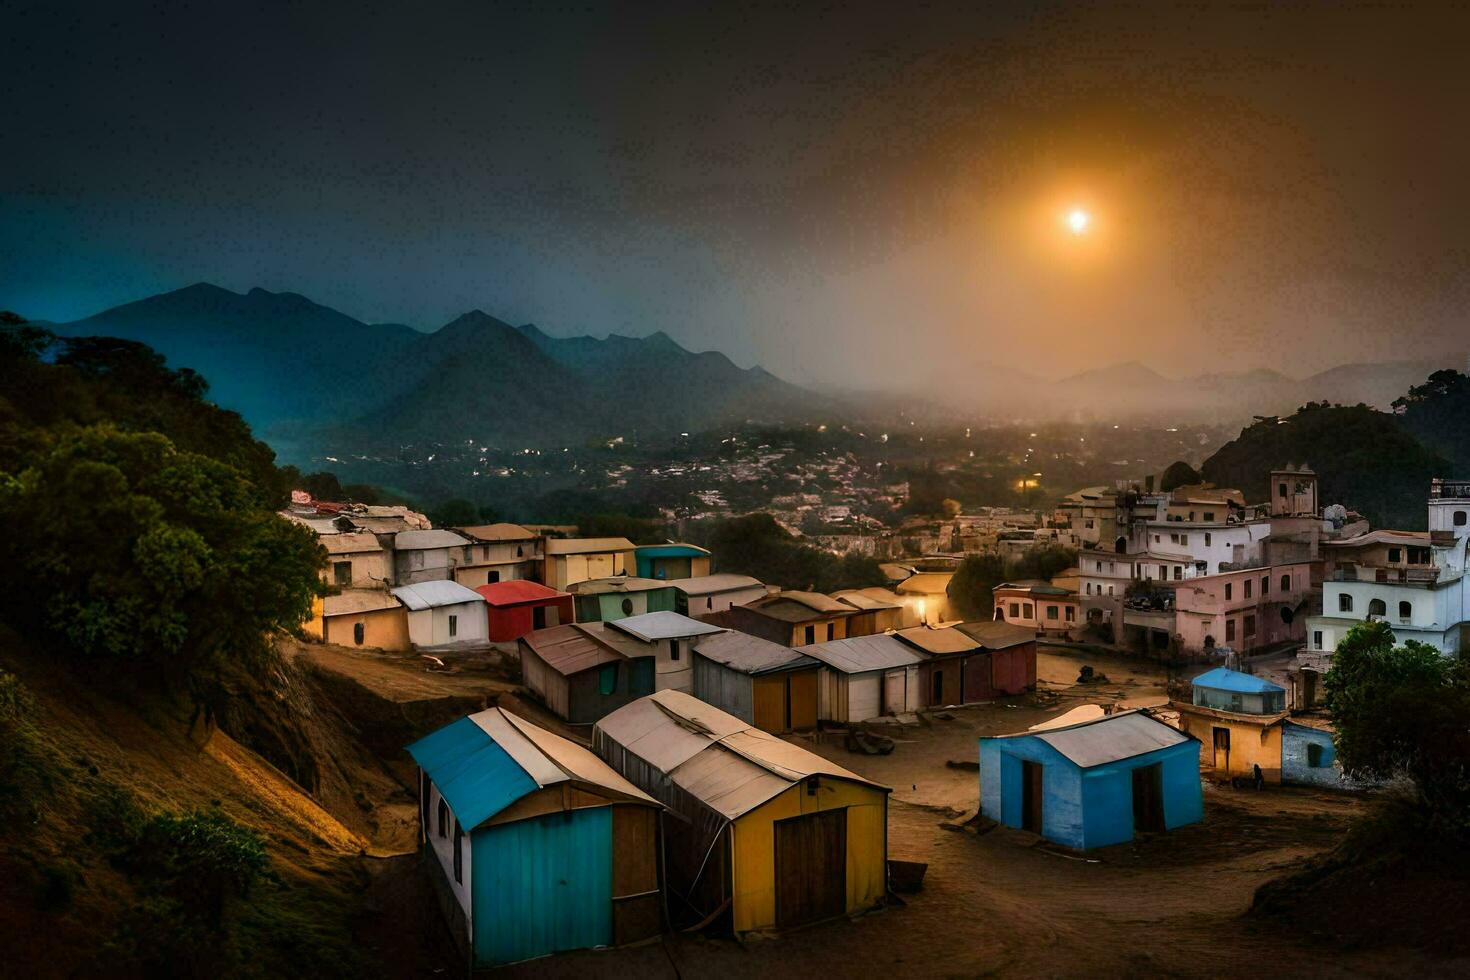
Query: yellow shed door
769, 694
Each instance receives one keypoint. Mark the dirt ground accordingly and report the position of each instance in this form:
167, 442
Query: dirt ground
1000, 903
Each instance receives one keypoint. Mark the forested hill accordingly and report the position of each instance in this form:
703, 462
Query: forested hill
1369, 461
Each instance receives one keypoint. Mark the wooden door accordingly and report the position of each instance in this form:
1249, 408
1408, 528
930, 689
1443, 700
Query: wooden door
802, 700
811, 868
769, 710
1031, 796
1222, 748
894, 692
1148, 798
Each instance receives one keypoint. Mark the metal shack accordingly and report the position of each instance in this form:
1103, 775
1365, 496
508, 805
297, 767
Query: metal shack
777, 834
578, 675
1095, 783
715, 593
866, 677
671, 561
516, 607
669, 639
948, 654
534, 844
443, 614
1011, 652
762, 683
606, 599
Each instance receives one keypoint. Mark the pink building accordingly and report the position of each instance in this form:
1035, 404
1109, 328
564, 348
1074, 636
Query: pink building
1245, 610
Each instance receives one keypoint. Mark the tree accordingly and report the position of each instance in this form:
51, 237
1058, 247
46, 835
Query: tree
758, 546
1179, 474
162, 563
1400, 711
973, 582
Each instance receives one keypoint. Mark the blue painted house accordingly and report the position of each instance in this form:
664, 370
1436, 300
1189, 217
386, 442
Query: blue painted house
1095, 783
1308, 757
671, 561
1231, 690
534, 844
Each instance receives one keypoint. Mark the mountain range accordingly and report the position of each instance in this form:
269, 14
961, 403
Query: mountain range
310, 377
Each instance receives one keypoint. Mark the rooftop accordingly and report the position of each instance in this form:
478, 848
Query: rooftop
429, 595
618, 583
516, 591
1118, 736
1225, 679
750, 654
421, 540
490, 533
663, 625
587, 546
712, 584
857, 654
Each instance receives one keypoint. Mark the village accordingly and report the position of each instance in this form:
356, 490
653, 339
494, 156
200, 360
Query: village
666, 750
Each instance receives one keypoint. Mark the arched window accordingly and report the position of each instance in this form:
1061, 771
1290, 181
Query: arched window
1406, 610
359, 633
1286, 583
443, 819
1377, 607
1344, 603
1121, 545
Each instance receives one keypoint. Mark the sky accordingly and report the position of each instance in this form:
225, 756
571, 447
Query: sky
865, 195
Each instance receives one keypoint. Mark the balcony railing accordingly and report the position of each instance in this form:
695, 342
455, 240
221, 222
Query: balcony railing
1422, 575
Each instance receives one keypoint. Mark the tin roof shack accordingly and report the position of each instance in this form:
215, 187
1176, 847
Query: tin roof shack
443, 614
580, 676
1011, 652
534, 844
670, 638
516, 607
426, 556
927, 596
1038, 605
1092, 784
780, 834
671, 561
762, 683
498, 553
879, 610
362, 618
606, 599
1309, 757
794, 618
947, 653
1237, 719
572, 560
866, 677
356, 560
714, 593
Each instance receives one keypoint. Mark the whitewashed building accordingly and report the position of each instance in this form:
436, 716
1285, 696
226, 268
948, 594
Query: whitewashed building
444, 614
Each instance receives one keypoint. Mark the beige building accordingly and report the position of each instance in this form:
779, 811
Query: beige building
356, 561
498, 553
568, 561
368, 618
926, 595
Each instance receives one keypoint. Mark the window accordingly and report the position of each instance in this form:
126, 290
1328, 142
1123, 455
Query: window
458, 854
485, 552
1281, 490
1156, 539
1395, 555
709, 602
1286, 583
359, 633
1314, 755
673, 649
1247, 585
443, 818
469, 554
627, 606
1406, 610
1110, 590
1418, 556
1087, 588
830, 631
607, 679
1015, 610
1099, 566
1236, 702
811, 634
1178, 572
1265, 585
1316, 639
1184, 539
1087, 523
1250, 625
1209, 515
1071, 614
1459, 518
1207, 539
1052, 612
1163, 573
342, 573
1029, 610
1229, 631
1344, 603
1377, 607
1228, 591
492, 575
520, 552
453, 625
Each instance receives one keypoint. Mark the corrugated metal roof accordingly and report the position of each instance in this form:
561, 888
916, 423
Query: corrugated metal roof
663, 625
358, 601
516, 591
351, 543
431, 595
569, 649
938, 641
1224, 679
869, 598
711, 584
422, 540
1036, 588
751, 654
671, 550
857, 654
497, 532
798, 607
728, 765
926, 583
618, 583
486, 761
997, 634
586, 546
1111, 739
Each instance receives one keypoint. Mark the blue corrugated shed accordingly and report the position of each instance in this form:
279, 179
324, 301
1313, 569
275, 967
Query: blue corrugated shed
1224, 679
476, 777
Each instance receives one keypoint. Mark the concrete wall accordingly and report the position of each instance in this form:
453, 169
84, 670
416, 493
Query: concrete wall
430, 627
383, 629
1296, 763
369, 570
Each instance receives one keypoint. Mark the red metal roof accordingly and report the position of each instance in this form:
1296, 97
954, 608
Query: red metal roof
517, 591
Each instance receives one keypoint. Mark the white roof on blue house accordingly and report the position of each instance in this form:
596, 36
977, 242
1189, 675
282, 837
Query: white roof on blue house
484, 762
1225, 679
430, 595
